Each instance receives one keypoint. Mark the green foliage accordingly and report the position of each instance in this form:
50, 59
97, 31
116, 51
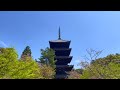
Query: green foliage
106, 60
47, 71
47, 57
103, 68
8, 57
79, 70
25, 68
12, 68
112, 71
74, 75
26, 52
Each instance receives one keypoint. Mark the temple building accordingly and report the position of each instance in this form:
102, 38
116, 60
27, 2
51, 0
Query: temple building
62, 52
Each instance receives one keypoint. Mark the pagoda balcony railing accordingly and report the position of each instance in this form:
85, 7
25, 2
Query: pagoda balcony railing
63, 56
62, 62
62, 48
64, 66
62, 72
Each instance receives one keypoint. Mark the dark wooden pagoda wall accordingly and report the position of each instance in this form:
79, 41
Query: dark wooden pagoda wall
62, 52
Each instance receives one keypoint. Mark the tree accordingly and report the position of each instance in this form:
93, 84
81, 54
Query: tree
8, 56
102, 68
47, 71
47, 57
80, 71
73, 74
26, 70
88, 71
12, 68
27, 52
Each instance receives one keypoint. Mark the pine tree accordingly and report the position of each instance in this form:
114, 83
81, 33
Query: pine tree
26, 53
47, 57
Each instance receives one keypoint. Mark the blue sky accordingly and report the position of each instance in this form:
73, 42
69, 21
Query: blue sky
99, 30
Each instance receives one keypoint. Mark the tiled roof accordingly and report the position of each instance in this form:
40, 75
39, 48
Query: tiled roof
59, 40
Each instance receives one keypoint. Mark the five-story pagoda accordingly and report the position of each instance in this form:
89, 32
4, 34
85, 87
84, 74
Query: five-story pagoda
62, 52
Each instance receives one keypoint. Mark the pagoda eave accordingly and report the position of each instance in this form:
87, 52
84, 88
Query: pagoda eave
64, 67
59, 41
63, 57
62, 49
62, 61
62, 52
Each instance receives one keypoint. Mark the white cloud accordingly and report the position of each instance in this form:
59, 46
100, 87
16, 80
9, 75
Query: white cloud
2, 43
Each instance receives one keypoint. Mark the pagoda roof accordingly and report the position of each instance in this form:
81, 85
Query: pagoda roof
65, 67
59, 41
64, 57
62, 61
62, 49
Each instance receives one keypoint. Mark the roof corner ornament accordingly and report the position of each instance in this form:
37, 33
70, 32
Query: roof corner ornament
59, 34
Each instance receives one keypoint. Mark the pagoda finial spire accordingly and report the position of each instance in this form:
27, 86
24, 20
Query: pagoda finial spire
59, 33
